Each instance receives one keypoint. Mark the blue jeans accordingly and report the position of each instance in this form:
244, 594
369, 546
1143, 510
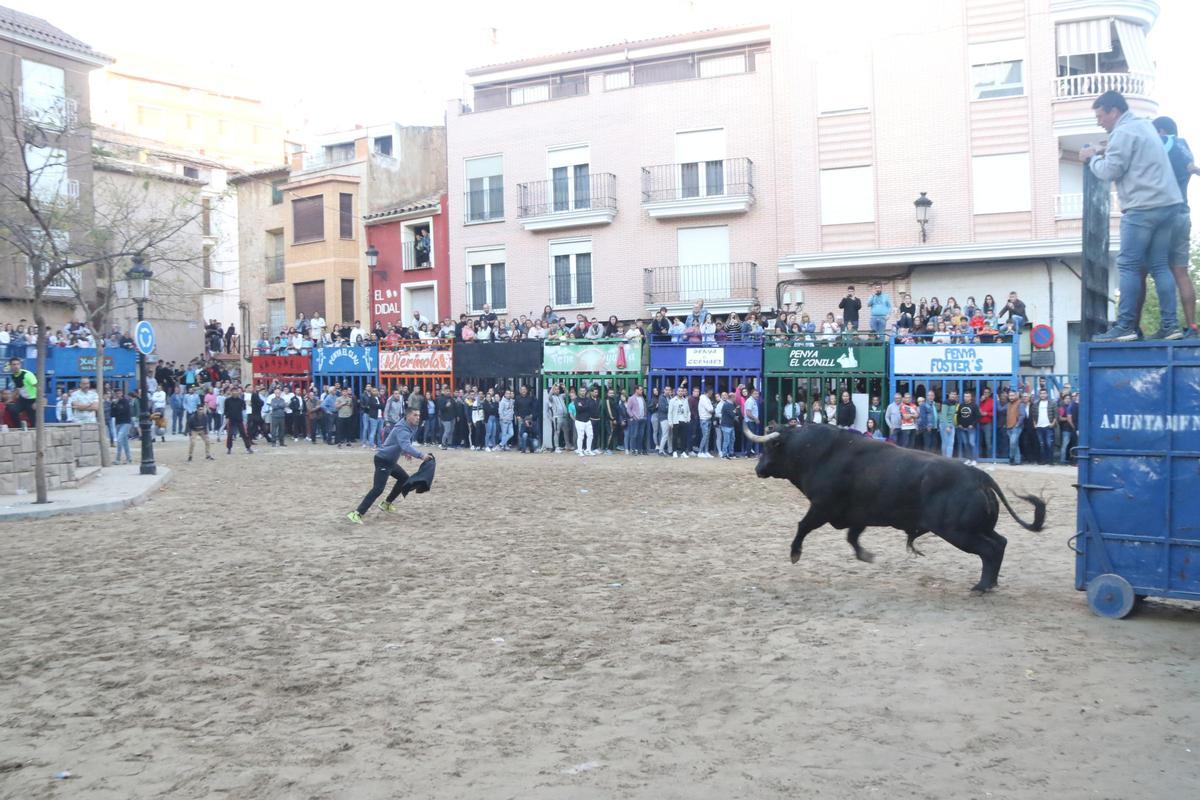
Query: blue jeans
947, 432
1046, 443
969, 438
755, 428
1145, 246
506, 433
705, 432
635, 435
1014, 445
123, 440
878, 324
526, 438
363, 423
727, 444
491, 432
372, 436
1066, 436
431, 430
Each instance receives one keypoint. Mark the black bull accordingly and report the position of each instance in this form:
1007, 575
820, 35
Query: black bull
853, 482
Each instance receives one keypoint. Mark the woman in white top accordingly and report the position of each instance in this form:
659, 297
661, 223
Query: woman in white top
942, 336
484, 334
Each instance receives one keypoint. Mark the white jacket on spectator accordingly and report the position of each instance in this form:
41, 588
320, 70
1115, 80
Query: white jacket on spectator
705, 408
679, 410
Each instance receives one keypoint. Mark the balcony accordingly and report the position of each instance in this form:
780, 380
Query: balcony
483, 205
1073, 96
49, 114
61, 285
568, 203
698, 188
411, 258
723, 287
274, 268
483, 292
1070, 206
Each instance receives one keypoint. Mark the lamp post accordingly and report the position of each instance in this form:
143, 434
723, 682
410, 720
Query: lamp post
922, 205
372, 263
137, 279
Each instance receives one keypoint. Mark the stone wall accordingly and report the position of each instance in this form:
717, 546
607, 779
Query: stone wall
69, 446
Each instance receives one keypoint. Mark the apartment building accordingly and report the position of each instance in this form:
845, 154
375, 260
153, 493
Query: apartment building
195, 109
617, 179
757, 163
311, 238
45, 81
408, 255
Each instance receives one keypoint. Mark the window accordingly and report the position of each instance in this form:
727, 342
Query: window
43, 94
310, 298
571, 272
485, 188
206, 267
277, 191
383, 145
1080, 44
704, 269
728, 64
847, 195
275, 258
276, 316
616, 80
191, 172
347, 299
676, 69
308, 219
570, 177
844, 83
701, 158
520, 95
206, 216
62, 281
346, 215
569, 85
997, 69
339, 153
1000, 183
48, 174
485, 269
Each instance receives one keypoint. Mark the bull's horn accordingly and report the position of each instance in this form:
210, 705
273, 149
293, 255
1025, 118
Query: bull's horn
754, 437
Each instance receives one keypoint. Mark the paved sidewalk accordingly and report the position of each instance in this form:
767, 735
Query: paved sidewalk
113, 489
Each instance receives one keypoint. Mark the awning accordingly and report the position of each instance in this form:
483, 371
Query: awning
1086, 36
1133, 43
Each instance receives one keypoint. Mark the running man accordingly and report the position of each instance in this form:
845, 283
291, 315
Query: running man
399, 442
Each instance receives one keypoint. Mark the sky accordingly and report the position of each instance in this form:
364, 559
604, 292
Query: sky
404, 61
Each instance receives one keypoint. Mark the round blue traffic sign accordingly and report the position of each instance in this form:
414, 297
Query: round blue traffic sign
143, 338
1042, 336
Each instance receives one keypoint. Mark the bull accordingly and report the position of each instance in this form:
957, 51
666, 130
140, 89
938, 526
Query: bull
853, 482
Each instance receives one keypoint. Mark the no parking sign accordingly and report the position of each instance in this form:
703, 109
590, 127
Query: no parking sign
1042, 336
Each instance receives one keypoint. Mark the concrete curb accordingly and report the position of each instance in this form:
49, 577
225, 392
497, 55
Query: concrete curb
77, 501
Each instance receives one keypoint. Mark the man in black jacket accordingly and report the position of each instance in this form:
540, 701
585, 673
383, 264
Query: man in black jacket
850, 306
525, 405
447, 412
586, 409
968, 427
235, 422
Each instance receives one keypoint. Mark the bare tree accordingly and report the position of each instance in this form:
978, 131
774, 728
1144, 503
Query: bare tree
48, 220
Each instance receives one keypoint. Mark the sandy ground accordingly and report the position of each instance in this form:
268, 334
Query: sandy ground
550, 627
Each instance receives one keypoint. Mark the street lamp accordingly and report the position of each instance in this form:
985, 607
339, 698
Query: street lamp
137, 280
922, 204
372, 257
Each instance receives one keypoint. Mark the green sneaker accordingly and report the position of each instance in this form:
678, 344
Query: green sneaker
355, 517
388, 507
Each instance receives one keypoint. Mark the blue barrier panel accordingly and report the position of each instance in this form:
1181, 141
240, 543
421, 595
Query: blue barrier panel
356, 367
1138, 511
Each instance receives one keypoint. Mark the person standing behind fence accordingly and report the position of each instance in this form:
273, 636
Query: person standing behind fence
1068, 412
507, 413
968, 428
728, 412
447, 413
1014, 412
395, 409
235, 420
948, 423
1150, 205
635, 435
704, 413
279, 412
556, 408
880, 305
343, 409
891, 417
585, 411
1045, 420
927, 422
847, 412
372, 412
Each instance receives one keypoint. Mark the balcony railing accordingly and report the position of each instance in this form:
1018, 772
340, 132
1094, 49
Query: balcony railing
59, 285
736, 280
1071, 87
578, 193
274, 265
483, 205
698, 179
413, 258
1070, 206
477, 296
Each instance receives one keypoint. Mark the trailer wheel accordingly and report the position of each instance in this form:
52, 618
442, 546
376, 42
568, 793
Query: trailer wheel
1110, 596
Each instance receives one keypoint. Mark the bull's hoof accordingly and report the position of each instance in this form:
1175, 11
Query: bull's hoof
865, 555
795, 557
981, 587
912, 549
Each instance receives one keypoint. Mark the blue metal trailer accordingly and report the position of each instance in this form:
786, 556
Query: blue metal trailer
1138, 515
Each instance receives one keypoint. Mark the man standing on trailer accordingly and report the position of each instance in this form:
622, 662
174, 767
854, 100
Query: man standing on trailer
399, 443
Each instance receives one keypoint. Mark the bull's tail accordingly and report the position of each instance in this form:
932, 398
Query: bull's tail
1039, 506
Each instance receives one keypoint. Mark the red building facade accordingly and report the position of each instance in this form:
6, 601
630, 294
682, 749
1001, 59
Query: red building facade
413, 268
